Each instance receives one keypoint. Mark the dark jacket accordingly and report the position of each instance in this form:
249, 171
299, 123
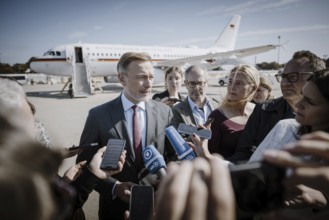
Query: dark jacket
260, 123
160, 96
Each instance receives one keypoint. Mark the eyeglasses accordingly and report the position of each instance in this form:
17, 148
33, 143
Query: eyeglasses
194, 84
291, 77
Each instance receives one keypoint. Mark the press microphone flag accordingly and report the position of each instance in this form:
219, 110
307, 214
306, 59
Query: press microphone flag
183, 150
154, 161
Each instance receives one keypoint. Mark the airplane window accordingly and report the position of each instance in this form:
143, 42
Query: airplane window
102, 54
93, 54
46, 53
58, 53
97, 54
52, 53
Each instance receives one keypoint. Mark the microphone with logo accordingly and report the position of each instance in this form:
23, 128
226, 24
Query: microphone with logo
154, 161
183, 150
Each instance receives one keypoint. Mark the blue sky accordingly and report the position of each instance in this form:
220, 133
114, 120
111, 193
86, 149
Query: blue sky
29, 28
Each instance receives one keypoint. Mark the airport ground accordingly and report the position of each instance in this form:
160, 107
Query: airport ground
64, 117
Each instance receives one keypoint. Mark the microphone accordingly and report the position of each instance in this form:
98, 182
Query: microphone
154, 161
183, 150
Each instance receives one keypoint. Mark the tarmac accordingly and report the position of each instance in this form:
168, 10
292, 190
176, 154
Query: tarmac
64, 117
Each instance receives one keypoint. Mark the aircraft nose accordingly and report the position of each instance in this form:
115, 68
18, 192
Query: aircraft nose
32, 65
35, 66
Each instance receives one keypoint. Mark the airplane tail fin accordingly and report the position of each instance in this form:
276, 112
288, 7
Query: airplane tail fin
227, 38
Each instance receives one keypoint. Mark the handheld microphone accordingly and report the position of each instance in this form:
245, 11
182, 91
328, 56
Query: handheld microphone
154, 161
183, 150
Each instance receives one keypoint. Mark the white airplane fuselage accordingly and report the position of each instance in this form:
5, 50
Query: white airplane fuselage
102, 59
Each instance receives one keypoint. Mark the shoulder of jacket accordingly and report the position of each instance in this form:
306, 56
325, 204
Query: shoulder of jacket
273, 104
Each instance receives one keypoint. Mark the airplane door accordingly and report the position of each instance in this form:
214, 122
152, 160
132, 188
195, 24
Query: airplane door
78, 55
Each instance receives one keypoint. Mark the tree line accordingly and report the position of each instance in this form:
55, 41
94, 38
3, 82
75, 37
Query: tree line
17, 67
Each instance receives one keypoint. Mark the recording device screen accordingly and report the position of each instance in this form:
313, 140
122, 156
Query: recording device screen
190, 129
258, 186
112, 154
141, 202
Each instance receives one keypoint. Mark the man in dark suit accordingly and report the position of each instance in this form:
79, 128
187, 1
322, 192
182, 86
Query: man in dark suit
195, 109
115, 119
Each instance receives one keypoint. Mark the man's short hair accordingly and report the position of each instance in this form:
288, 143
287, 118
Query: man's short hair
316, 63
188, 70
128, 58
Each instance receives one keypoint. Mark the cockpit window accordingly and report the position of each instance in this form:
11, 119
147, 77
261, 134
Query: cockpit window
47, 53
52, 53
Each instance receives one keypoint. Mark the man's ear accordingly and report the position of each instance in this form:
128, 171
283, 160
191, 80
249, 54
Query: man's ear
122, 79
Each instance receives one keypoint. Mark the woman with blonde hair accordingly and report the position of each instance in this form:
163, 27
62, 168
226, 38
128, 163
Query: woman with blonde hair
232, 115
264, 91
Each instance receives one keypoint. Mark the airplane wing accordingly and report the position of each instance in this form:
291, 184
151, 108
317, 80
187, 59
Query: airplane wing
236, 53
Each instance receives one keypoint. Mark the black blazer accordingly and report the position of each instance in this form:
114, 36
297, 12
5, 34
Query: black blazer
160, 96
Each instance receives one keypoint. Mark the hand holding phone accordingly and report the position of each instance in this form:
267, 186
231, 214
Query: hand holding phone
174, 100
208, 122
112, 154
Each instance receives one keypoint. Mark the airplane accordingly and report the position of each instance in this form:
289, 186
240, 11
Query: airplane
82, 61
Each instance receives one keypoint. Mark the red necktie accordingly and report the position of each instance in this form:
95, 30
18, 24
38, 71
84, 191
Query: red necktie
137, 136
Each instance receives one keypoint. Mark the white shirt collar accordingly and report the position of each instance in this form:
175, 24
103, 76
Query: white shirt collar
193, 105
128, 104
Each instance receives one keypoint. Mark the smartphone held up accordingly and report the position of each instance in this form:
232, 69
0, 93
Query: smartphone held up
112, 154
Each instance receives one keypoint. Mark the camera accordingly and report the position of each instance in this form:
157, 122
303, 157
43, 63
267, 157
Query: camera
258, 186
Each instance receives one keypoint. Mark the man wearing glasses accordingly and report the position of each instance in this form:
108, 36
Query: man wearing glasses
196, 107
267, 114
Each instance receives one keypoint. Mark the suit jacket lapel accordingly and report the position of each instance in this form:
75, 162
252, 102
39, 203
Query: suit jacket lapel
188, 112
151, 116
117, 116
